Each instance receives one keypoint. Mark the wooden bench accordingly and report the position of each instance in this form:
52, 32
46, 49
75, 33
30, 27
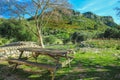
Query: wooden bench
28, 63
51, 68
53, 53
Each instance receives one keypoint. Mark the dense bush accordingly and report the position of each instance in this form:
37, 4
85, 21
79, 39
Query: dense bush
50, 39
14, 29
4, 41
77, 37
109, 33
112, 33
118, 47
65, 37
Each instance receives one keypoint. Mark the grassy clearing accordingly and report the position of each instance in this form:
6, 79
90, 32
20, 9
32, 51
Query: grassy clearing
95, 66
104, 43
88, 64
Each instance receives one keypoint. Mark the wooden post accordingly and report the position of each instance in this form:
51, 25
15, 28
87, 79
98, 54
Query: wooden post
18, 58
53, 74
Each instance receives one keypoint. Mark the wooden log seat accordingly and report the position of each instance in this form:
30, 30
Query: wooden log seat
51, 68
28, 63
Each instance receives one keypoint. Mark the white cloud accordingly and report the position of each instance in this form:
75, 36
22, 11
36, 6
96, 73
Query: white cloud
87, 6
97, 5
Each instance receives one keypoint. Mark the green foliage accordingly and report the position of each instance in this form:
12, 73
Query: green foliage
76, 27
112, 33
65, 37
50, 39
14, 29
4, 41
78, 37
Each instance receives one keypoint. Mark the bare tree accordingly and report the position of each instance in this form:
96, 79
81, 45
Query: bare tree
36, 9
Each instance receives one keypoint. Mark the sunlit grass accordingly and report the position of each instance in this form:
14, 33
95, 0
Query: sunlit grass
88, 64
104, 57
104, 43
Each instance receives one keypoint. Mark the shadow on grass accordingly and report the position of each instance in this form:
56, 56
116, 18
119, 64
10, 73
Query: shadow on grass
2, 70
93, 71
92, 75
90, 72
33, 75
22, 74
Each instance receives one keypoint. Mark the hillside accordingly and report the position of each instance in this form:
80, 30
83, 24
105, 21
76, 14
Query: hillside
107, 20
81, 26
63, 28
87, 20
82, 21
92, 20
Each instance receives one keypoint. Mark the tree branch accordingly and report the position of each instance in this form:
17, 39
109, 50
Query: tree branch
31, 29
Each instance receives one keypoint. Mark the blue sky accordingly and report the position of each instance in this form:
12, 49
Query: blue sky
99, 7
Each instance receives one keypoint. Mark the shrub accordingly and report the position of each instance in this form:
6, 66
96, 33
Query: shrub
50, 39
77, 37
4, 41
118, 47
112, 33
14, 29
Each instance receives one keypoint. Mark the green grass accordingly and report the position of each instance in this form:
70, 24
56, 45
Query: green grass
104, 43
88, 64
95, 66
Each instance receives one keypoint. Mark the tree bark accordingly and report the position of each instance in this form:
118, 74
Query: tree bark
40, 39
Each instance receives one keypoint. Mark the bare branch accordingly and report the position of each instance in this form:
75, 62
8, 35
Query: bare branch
31, 29
37, 9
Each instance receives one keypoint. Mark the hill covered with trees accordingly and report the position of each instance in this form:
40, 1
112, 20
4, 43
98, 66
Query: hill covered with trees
74, 27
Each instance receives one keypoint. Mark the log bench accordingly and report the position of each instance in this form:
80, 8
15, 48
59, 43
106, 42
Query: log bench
53, 53
49, 67
29, 63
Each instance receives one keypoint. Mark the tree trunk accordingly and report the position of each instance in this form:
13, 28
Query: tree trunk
40, 39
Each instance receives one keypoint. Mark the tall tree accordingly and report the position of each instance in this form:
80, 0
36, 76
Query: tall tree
37, 9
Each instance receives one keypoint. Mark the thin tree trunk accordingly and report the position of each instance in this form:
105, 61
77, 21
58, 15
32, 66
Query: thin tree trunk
38, 34
40, 39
